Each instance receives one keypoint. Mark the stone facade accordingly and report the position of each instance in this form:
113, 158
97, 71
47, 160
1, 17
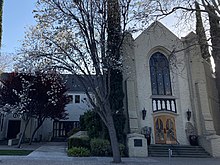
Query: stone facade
192, 85
137, 145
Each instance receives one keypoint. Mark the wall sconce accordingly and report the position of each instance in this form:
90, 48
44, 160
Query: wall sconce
144, 112
188, 115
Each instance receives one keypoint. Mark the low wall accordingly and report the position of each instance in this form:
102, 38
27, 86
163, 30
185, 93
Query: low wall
137, 145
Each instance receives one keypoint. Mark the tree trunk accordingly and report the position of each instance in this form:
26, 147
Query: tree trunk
215, 39
36, 129
107, 117
200, 31
217, 73
113, 139
22, 134
114, 42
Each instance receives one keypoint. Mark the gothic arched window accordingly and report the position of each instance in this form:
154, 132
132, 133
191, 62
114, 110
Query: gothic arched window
160, 75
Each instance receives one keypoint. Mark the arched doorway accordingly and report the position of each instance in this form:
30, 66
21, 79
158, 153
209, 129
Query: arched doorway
164, 129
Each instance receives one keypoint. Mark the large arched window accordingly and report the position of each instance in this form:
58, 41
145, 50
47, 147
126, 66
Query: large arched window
160, 75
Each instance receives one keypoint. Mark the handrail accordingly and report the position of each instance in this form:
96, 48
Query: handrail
174, 137
172, 146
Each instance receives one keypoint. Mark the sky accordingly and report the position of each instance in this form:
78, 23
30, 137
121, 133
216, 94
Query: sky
17, 14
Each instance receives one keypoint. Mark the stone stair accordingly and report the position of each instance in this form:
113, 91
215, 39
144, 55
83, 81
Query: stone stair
157, 150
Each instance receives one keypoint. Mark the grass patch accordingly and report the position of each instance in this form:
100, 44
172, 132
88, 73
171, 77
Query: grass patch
15, 152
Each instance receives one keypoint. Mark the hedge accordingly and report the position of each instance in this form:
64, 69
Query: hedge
78, 152
100, 147
79, 142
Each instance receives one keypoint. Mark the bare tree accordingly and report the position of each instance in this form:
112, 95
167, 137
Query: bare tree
6, 62
81, 37
200, 31
198, 11
215, 40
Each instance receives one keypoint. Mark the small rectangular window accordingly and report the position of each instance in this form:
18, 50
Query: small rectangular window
77, 98
70, 98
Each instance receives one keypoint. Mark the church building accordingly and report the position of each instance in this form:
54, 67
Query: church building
171, 94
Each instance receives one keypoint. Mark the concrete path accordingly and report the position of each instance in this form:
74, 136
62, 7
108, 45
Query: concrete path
50, 150
24, 146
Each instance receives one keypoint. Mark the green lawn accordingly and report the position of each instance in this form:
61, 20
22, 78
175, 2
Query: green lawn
15, 152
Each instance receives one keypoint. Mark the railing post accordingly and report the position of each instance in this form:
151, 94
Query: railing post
170, 154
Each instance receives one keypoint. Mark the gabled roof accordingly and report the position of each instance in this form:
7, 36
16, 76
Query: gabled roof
73, 84
155, 25
4, 76
71, 81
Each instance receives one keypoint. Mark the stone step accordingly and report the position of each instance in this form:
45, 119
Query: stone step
177, 151
168, 146
183, 156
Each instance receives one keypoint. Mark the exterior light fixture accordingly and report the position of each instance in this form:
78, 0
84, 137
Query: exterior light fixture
188, 114
144, 112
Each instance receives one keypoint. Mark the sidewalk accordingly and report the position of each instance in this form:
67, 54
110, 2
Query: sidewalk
24, 146
22, 160
50, 149
55, 154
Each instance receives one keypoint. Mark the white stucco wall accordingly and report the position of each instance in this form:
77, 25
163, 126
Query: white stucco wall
76, 109
159, 38
46, 130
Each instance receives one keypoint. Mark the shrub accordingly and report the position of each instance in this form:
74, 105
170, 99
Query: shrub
78, 152
79, 142
73, 131
92, 123
122, 149
100, 147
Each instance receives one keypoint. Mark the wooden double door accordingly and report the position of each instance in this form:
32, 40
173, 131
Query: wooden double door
61, 128
165, 130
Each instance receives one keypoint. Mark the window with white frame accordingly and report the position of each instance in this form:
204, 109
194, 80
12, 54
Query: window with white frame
70, 98
77, 98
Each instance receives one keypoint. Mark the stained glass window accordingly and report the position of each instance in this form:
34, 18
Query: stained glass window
160, 75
